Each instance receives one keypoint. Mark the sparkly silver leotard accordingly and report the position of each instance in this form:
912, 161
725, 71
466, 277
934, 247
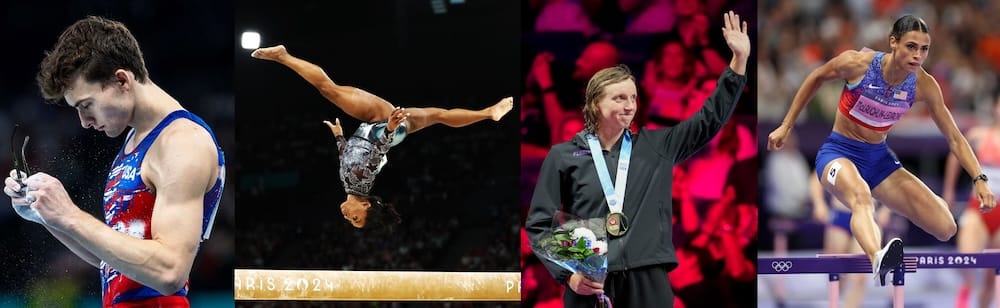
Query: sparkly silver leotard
363, 155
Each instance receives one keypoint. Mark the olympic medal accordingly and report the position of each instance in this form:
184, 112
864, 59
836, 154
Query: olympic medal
616, 224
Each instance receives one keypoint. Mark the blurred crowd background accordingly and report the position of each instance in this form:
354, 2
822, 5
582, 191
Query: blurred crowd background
964, 57
802, 35
676, 50
455, 188
186, 46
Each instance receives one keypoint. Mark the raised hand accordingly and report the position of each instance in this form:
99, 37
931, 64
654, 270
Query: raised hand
335, 128
735, 33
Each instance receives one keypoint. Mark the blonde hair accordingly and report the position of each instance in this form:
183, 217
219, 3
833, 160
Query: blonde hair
595, 91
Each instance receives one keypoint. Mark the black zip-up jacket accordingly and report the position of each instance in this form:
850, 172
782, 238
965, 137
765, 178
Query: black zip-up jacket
568, 182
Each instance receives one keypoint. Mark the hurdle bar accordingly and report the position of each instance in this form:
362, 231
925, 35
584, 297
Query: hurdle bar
252, 284
836, 264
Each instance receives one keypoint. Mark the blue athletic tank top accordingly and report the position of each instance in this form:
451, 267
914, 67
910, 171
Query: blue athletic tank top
128, 208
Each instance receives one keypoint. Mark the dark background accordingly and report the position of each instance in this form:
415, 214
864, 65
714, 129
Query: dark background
456, 188
187, 52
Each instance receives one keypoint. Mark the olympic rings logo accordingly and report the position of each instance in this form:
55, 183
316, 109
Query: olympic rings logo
781, 266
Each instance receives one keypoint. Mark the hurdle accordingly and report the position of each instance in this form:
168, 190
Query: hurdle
836, 264
315, 285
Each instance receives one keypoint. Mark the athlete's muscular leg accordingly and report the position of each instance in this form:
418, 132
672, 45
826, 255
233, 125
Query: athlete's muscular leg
420, 118
357, 103
841, 178
908, 196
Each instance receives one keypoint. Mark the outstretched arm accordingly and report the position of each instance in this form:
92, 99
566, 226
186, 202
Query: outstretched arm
683, 140
928, 90
847, 66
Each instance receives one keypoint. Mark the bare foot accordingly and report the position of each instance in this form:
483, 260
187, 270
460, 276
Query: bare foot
270, 53
501, 108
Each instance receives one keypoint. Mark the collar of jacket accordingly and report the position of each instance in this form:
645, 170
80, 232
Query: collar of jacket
580, 140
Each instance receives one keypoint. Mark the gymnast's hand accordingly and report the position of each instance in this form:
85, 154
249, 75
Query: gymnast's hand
270, 53
335, 128
21, 206
49, 198
986, 199
583, 286
776, 139
397, 117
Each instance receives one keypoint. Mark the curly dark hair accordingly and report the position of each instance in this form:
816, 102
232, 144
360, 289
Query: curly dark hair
382, 216
93, 47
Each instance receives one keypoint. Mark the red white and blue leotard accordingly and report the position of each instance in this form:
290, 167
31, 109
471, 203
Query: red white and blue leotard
873, 103
128, 208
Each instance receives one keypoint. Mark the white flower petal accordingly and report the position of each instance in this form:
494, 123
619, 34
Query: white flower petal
584, 233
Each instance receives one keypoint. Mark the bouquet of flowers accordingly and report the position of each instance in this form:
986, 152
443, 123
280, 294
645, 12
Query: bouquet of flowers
580, 246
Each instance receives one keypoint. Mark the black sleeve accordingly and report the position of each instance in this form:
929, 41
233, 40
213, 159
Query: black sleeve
545, 201
685, 139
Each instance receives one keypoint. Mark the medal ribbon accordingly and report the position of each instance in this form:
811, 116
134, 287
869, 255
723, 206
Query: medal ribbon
615, 195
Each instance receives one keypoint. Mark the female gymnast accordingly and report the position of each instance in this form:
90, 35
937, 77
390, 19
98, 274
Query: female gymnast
364, 153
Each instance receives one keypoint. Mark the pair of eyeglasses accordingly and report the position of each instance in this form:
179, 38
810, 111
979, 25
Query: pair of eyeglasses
19, 162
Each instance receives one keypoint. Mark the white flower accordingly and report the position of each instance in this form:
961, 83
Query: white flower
585, 234
601, 246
